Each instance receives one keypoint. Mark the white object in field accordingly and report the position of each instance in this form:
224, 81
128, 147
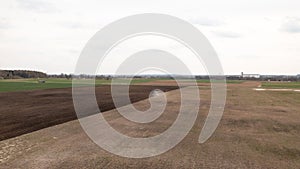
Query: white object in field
156, 92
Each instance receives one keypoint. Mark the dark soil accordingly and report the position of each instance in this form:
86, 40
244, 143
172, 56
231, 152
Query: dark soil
28, 111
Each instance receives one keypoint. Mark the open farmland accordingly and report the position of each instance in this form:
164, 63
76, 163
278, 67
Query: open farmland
259, 129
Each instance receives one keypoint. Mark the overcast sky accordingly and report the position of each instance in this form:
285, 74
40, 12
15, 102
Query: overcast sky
254, 36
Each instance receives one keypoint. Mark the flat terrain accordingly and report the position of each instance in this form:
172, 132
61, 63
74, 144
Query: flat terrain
27, 111
12, 85
259, 129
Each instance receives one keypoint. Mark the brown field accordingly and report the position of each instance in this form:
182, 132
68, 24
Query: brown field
259, 129
28, 111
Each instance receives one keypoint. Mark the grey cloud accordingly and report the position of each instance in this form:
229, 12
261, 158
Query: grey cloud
4, 24
227, 34
74, 51
291, 25
37, 5
79, 25
206, 22
71, 25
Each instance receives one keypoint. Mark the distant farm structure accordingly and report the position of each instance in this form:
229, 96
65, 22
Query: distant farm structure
251, 76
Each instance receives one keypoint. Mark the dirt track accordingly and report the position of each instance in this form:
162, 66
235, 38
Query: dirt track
24, 112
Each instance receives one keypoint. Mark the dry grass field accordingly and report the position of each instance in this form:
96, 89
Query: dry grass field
259, 129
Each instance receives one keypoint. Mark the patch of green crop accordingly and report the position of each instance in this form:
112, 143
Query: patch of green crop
21, 86
12, 85
281, 85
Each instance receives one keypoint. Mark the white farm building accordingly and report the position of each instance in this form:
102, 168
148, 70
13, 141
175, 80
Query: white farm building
256, 76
